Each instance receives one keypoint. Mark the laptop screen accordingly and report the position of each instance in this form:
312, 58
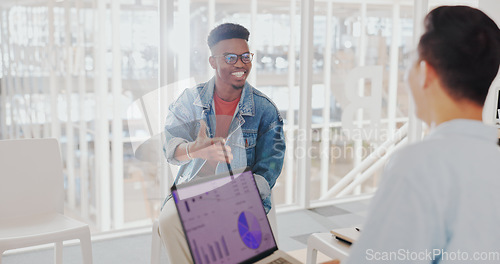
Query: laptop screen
223, 219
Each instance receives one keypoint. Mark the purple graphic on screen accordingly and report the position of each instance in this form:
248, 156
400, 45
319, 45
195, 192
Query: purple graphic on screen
226, 224
249, 229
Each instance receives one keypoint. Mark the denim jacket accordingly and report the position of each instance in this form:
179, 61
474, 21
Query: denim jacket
255, 135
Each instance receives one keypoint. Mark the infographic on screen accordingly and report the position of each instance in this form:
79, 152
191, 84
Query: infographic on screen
249, 229
226, 224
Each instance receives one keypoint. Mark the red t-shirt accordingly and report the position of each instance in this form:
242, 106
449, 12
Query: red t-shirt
224, 112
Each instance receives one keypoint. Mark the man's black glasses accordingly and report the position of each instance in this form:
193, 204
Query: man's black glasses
231, 58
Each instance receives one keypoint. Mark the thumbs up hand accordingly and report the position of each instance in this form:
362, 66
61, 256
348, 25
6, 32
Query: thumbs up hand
208, 148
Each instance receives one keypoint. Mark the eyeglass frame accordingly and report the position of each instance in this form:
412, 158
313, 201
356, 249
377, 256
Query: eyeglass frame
238, 57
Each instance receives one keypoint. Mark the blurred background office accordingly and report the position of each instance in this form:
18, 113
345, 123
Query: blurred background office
99, 75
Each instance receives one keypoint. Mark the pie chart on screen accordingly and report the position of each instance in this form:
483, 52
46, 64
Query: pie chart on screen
249, 229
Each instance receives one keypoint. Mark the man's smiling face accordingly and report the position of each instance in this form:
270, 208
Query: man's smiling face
233, 75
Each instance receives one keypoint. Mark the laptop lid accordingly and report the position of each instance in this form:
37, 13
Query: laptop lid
223, 219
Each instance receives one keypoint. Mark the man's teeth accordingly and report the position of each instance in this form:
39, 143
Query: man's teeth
238, 74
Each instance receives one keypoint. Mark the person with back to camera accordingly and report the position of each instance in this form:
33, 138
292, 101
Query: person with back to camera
224, 120
439, 199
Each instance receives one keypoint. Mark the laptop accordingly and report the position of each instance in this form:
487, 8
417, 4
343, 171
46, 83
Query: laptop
224, 220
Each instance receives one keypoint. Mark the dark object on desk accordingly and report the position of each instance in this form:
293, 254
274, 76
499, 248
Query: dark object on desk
342, 240
347, 235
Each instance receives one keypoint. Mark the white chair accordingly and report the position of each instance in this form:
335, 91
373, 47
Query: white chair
156, 244
32, 199
271, 216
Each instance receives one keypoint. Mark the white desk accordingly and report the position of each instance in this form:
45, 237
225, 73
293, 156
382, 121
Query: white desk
326, 244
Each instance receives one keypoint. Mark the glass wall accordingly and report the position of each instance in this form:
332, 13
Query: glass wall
350, 38
361, 55
87, 72
70, 70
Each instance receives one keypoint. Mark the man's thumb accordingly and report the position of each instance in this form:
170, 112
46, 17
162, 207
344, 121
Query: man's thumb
202, 133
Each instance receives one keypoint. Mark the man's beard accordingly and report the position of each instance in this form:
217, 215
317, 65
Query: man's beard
238, 87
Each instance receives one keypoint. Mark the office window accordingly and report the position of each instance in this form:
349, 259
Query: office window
65, 75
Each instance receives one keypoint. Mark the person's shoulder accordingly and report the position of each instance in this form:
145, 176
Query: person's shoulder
425, 149
422, 159
191, 93
187, 97
411, 157
196, 90
262, 101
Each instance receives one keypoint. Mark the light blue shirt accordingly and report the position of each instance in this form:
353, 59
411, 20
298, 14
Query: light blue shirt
438, 202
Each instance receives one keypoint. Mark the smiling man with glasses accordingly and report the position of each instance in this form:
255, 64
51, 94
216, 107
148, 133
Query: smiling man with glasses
219, 124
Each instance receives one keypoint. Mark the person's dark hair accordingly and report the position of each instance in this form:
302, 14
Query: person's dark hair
463, 46
226, 31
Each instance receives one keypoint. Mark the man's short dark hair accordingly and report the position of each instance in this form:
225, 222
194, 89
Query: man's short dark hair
463, 46
227, 31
